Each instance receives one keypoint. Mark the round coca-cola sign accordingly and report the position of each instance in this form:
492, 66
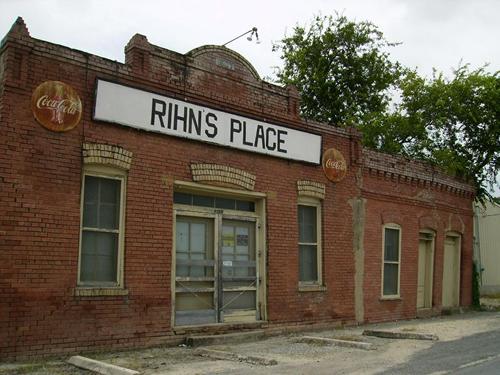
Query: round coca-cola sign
334, 165
56, 106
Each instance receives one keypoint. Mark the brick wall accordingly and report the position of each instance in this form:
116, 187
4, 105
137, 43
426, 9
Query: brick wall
416, 197
40, 194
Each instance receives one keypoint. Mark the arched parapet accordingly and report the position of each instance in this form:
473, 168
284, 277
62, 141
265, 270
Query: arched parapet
224, 60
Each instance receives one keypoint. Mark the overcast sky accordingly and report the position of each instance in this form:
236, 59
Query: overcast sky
434, 33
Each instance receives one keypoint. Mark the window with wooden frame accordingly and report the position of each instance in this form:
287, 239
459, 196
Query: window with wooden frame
309, 246
391, 261
102, 227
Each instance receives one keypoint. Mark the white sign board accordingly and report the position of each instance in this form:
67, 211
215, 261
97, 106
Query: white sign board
151, 112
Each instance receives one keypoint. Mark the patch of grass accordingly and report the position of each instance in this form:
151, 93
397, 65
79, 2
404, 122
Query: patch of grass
492, 296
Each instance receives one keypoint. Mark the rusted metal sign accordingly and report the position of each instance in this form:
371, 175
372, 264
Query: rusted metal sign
334, 165
56, 106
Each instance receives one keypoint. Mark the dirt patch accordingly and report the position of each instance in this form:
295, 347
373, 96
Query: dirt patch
41, 368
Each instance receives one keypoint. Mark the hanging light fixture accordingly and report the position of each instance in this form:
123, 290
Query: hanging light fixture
253, 32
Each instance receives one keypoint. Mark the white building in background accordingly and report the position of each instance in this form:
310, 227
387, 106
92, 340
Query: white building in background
487, 238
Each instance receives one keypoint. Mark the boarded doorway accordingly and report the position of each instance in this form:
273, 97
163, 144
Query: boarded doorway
451, 271
425, 270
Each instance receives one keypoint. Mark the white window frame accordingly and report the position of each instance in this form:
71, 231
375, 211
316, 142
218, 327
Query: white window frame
398, 295
114, 174
317, 284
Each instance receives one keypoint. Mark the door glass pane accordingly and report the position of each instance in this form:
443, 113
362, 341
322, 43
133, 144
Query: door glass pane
194, 298
194, 247
391, 251
228, 242
308, 263
182, 237
238, 300
242, 241
390, 279
197, 237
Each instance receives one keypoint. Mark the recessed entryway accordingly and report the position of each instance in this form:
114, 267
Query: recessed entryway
217, 262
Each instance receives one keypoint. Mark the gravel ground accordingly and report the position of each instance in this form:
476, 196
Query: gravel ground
291, 355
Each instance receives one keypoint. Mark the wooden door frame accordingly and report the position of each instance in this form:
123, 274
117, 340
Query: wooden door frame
259, 216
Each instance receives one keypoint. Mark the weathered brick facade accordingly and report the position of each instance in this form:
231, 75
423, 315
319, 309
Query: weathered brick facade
42, 312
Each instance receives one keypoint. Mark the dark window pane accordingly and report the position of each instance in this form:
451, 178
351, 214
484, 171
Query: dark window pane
245, 206
225, 203
109, 216
99, 257
90, 202
205, 201
101, 208
307, 224
110, 191
390, 279
308, 264
391, 251
200, 200
182, 198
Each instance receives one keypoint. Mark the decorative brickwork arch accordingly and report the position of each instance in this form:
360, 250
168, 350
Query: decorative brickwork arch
222, 175
391, 217
428, 222
311, 189
455, 224
115, 156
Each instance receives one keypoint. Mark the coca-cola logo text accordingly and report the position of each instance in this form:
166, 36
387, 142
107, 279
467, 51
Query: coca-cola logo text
334, 165
56, 106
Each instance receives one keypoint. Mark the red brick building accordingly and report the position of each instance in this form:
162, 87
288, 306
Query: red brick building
175, 194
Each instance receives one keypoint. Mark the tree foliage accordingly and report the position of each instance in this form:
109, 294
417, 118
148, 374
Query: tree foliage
346, 78
340, 68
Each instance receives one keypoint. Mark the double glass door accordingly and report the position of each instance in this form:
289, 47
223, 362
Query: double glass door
216, 275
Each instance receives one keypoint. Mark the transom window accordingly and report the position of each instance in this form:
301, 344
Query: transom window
216, 202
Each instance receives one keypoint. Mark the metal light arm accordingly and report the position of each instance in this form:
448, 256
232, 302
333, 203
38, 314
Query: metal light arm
253, 31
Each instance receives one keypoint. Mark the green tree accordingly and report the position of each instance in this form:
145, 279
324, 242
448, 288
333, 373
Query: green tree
461, 116
450, 122
345, 77
340, 68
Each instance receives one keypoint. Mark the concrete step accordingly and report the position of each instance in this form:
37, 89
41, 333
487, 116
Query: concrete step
227, 338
